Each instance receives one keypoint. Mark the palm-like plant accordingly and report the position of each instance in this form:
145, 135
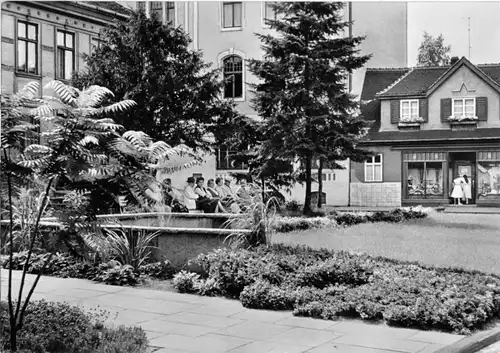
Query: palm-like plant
82, 146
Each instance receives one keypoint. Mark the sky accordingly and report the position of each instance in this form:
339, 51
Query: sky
450, 19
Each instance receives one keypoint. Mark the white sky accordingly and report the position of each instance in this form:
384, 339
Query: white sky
450, 19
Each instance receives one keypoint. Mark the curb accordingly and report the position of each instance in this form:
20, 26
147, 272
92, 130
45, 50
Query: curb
473, 343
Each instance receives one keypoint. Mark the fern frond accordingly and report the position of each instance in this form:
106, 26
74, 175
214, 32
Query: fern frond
88, 140
93, 96
30, 90
120, 106
66, 93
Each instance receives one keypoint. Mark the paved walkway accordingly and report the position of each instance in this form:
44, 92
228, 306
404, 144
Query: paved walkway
188, 323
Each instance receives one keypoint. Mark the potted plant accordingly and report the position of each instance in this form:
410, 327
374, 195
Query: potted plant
410, 123
463, 122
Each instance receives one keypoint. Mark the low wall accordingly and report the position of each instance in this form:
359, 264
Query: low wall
375, 194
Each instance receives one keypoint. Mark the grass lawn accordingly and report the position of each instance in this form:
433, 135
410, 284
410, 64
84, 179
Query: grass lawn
443, 239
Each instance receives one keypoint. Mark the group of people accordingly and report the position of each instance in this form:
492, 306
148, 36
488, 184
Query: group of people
216, 197
461, 190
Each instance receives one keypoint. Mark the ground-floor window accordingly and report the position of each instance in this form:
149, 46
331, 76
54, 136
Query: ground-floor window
424, 173
488, 174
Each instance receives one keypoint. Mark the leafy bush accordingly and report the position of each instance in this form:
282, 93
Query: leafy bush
290, 224
186, 282
292, 205
327, 284
59, 327
129, 248
158, 270
116, 274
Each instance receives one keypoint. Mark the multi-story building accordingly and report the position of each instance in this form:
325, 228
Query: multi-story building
225, 33
431, 125
44, 40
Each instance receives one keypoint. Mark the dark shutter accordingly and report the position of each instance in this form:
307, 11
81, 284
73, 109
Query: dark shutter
445, 109
423, 109
394, 111
482, 108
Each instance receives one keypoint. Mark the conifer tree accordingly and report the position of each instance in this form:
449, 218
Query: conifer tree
302, 97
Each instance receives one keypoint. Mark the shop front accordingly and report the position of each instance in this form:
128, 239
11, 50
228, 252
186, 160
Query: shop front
428, 176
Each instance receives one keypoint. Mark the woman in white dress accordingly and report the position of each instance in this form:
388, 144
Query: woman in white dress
467, 190
458, 191
190, 197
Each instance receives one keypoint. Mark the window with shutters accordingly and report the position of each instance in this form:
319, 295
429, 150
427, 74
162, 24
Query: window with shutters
409, 110
464, 107
373, 169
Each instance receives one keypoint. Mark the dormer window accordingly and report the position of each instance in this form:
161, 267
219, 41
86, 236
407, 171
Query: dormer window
464, 107
409, 109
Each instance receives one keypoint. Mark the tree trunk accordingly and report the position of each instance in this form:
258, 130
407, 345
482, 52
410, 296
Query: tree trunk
320, 182
307, 202
13, 337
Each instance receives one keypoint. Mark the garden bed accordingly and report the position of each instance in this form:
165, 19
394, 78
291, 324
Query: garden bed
328, 285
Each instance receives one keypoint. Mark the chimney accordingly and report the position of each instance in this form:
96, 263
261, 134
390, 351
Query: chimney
453, 60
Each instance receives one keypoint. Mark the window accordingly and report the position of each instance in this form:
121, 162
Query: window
409, 109
170, 12
65, 54
95, 43
157, 8
232, 14
373, 169
488, 174
424, 173
27, 47
464, 107
227, 160
233, 77
269, 12
141, 5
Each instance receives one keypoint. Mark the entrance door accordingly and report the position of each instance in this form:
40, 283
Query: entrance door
467, 168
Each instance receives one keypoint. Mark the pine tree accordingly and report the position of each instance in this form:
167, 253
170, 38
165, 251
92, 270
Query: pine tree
178, 96
302, 96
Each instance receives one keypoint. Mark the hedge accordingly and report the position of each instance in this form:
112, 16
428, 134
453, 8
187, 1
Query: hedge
329, 284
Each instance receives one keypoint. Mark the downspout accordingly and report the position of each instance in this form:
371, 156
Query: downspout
349, 166
195, 25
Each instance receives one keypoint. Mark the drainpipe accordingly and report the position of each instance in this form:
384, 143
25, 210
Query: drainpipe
350, 36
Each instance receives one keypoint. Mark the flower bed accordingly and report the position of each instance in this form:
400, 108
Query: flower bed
112, 272
327, 285
59, 327
290, 224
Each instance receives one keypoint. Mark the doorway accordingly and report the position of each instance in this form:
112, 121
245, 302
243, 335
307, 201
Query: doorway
464, 163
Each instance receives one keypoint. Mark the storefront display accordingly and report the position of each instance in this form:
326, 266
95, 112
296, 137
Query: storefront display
424, 178
488, 179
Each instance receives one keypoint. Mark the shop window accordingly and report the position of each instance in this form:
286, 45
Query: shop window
488, 174
425, 175
65, 54
232, 14
27, 47
373, 169
233, 77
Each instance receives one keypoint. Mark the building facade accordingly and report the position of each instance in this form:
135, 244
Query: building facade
430, 125
225, 33
43, 41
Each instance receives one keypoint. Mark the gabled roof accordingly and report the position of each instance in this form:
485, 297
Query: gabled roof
421, 81
375, 81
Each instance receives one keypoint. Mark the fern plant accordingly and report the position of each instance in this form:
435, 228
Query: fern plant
82, 146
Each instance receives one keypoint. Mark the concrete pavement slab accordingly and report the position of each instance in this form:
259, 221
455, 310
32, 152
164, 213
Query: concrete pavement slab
366, 328
270, 347
305, 337
202, 319
306, 322
255, 330
211, 343
435, 337
176, 328
342, 348
432, 348
261, 315
382, 341
131, 317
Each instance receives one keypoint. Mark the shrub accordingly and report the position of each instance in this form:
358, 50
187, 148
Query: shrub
186, 282
116, 275
51, 327
328, 284
158, 270
263, 295
292, 205
290, 224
